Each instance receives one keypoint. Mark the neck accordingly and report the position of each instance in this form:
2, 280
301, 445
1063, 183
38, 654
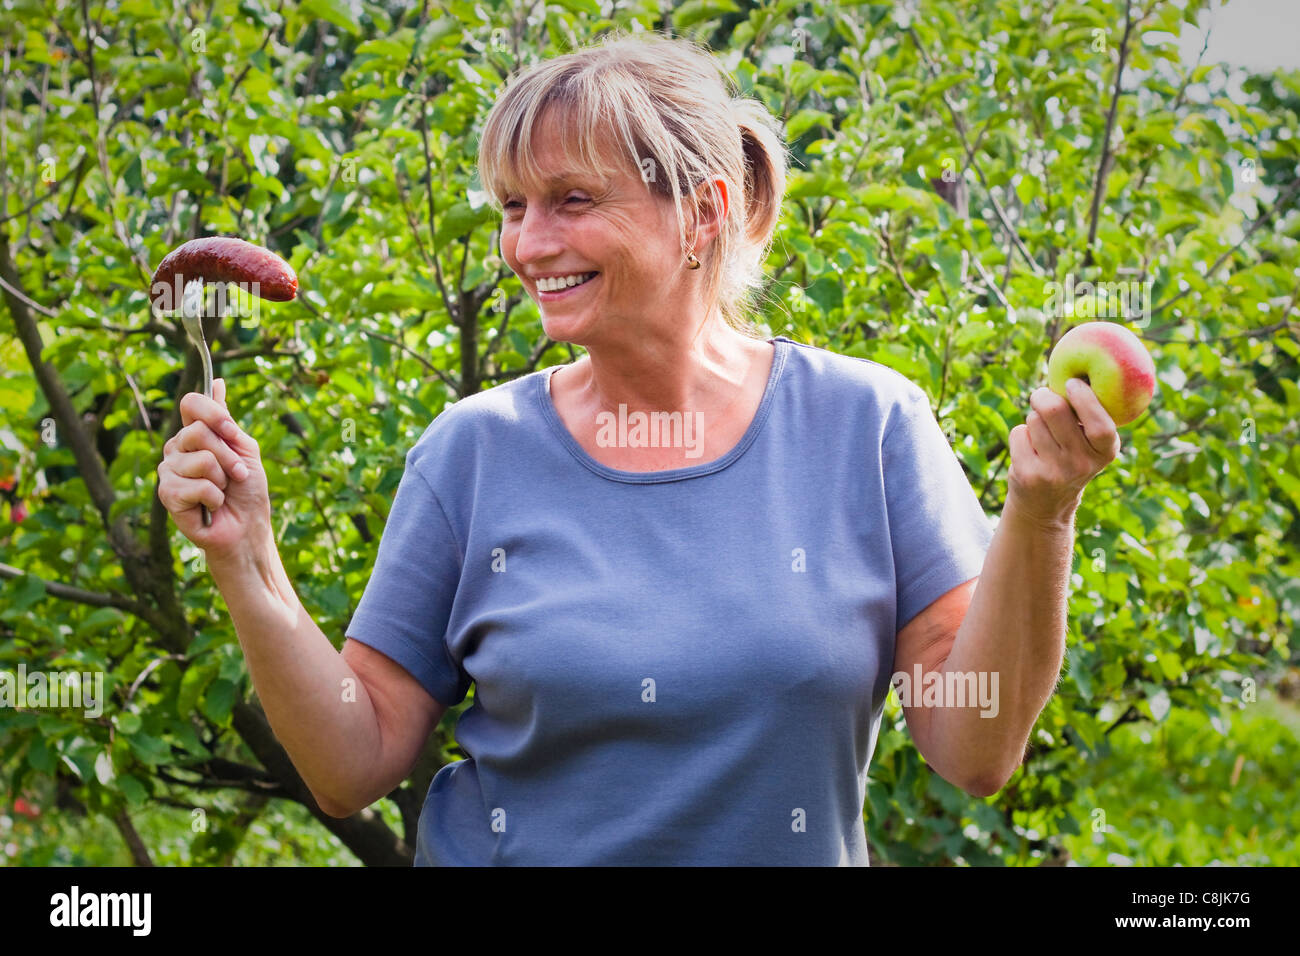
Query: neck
702, 370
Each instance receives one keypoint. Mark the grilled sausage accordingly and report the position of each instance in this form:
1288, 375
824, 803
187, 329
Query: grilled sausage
222, 259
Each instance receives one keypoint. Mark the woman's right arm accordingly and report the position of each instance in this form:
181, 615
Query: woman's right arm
352, 723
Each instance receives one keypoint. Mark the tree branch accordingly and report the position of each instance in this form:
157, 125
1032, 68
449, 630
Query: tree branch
433, 224
1129, 716
418, 357
960, 126
51, 192
1209, 273
30, 303
898, 271
167, 617
139, 852
65, 414
69, 593
1251, 334
1178, 101
365, 833
1103, 168
219, 773
993, 475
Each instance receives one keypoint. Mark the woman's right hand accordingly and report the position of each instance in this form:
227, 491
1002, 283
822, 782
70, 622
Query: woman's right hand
212, 461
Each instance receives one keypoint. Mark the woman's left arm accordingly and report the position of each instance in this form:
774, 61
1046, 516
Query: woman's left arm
1015, 625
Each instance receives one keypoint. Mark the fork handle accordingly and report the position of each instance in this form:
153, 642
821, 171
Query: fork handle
206, 359
207, 390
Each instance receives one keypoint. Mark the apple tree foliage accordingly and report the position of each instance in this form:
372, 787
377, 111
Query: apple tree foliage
958, 166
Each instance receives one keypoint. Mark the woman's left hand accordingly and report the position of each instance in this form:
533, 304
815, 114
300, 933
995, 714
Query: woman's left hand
1057, 451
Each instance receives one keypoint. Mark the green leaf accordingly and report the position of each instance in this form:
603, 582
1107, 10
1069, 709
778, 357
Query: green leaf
101, 619
184, 732
805, 120
400, 296
40, 757
949, 262
218, 701
827, 293
591, 8
1086, 730
337, 12
947, 82
149, 748
459, 219
1082, 680
333, 598
802, 184
232, 665
129, 723
385, 49
193, 683
23, 593
1170, 665
131, 788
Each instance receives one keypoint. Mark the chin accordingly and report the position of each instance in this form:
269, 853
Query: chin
562, 330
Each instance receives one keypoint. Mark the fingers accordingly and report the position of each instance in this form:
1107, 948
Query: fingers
1018, 442
238, 439
198, 437
180, 494
198, 407
186, 479
1056, 416
195, 407
199, 464
1040, 435
1079, 426
201, 459
186, 493
1098, 427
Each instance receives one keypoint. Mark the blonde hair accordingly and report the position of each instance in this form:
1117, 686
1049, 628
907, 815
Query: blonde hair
679, 119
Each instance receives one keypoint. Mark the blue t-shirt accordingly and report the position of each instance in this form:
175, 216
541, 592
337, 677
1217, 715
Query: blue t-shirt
677, 667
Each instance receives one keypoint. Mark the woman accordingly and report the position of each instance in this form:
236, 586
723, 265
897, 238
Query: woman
682, 638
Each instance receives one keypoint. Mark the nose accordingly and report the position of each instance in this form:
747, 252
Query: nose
535, 236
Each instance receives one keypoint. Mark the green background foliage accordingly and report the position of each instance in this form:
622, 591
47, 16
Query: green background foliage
343, 134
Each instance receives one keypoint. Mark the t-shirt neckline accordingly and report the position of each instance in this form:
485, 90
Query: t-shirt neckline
542, 392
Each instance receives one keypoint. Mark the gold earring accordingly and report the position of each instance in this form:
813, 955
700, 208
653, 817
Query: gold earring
691, 261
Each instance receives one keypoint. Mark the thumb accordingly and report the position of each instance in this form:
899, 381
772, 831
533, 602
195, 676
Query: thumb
219, 390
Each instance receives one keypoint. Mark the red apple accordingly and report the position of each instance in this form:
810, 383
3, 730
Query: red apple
1112, 360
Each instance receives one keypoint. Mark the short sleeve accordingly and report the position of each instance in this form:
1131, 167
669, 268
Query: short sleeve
407, 603
937, 529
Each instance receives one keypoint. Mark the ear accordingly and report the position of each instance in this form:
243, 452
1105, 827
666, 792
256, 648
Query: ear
710, 210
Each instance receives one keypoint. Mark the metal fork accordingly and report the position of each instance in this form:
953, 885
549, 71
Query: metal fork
192, 319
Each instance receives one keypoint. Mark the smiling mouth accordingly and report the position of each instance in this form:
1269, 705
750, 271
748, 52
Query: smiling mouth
569, 288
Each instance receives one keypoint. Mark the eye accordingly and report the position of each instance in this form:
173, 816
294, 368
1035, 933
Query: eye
512, 204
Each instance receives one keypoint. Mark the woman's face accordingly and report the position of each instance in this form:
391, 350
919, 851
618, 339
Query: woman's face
580, 225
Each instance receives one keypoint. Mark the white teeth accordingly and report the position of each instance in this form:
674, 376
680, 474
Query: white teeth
563, 282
